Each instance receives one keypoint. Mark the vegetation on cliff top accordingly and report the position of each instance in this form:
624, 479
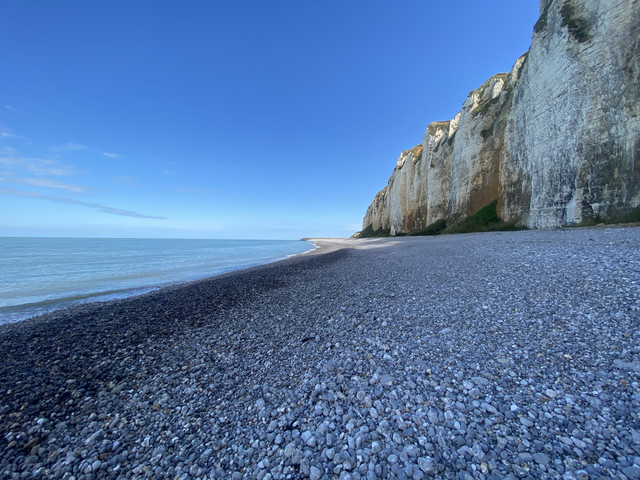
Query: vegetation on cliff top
433, 127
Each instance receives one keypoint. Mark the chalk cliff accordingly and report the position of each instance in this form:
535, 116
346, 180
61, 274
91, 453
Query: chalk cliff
555, 140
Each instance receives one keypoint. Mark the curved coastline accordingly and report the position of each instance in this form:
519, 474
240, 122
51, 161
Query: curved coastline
47, 305
402, 353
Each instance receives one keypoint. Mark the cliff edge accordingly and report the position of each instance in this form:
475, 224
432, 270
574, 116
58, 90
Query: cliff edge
554, 141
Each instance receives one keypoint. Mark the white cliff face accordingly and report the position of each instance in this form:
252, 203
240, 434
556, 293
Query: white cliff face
555, 140
394, 207
573, 135
454, 171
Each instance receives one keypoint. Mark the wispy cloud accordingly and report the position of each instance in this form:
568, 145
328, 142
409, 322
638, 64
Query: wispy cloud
72, 201
49, 183
115, 156
5, 133
13, 109
8, 151
39, 166
69, 147
168, 172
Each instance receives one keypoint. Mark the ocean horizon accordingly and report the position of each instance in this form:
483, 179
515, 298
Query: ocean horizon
43, 274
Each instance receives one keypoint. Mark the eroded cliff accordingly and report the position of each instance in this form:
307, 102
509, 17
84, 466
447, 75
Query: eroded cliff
555, 140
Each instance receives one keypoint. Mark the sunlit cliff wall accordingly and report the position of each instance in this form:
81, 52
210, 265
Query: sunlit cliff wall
555, 140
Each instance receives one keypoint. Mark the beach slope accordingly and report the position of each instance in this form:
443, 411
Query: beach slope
467, 356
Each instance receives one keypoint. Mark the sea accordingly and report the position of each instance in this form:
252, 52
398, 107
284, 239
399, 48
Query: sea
39, 275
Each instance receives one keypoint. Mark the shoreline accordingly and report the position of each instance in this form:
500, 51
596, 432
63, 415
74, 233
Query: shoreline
324, 246
22, 312
511, 353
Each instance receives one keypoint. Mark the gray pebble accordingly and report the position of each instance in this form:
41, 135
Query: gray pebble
507, 355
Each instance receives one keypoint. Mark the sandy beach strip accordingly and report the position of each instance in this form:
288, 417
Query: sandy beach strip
467, 356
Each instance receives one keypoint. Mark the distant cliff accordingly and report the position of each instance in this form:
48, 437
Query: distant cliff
554, 141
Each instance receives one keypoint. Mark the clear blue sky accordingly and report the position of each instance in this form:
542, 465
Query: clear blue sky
228, 119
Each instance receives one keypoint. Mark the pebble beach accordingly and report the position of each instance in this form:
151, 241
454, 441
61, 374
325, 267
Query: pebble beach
507, 355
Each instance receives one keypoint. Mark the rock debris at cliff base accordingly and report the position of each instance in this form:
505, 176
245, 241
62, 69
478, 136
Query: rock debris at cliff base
484, 356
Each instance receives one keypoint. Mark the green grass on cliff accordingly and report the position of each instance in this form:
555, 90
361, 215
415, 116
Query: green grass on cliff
487, 220
632, 216
484, 220
541, 24
369, 232
578, 27
435, 228
481, 108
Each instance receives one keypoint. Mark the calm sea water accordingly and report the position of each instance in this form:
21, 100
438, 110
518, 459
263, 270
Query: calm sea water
38, 275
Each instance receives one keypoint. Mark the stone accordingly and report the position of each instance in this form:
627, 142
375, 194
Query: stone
632, 472
541, 458
314, 473
516, 136
526, 422
426, 464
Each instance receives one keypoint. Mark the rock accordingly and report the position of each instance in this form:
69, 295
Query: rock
541, 458
376, 447
480, 380
314, 473
526, 422
411, 451
426, 464
308, 438
551, 294
564, 95
487, 407
632, 472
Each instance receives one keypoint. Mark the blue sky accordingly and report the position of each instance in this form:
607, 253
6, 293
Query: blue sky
228, 119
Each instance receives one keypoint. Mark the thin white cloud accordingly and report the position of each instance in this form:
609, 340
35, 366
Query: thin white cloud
57, 170
9, 151
168, 172
72, 201
69, 147
13, 109
115, 156
55, 184
38, 166
4, 133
